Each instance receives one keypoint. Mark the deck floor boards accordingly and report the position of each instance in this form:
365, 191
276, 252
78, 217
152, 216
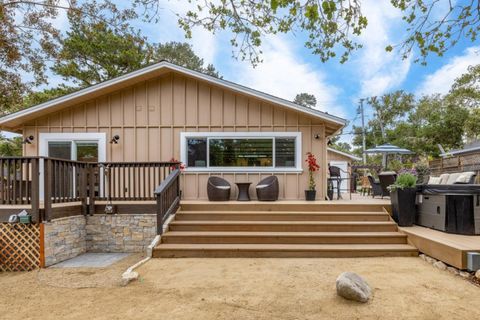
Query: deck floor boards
447, 247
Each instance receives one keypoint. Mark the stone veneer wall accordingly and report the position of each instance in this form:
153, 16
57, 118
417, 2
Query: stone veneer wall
120, 233
64, 239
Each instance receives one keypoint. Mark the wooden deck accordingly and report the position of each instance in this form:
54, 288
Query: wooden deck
449, 248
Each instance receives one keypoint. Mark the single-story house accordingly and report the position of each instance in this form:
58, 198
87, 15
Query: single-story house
165, 111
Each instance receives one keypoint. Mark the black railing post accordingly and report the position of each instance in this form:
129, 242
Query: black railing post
35, 189
47, 189
91, 189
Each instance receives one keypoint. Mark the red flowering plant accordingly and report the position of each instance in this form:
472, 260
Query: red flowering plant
180, 165
312, 167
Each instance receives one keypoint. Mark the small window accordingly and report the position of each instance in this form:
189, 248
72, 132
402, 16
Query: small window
60, 149
197, 152
87, 151
285, 152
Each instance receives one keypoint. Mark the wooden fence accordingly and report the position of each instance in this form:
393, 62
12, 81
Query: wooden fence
462, 163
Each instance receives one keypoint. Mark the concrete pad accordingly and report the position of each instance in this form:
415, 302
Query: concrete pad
91, 260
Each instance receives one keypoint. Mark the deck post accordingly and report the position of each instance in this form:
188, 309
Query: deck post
35, 190
47, 189
83, 188
91, 189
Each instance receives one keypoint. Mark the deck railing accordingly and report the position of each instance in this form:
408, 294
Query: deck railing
168, 198
131, 181
19, 182
42, 183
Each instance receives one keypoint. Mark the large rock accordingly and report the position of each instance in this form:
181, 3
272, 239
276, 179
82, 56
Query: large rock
353, 287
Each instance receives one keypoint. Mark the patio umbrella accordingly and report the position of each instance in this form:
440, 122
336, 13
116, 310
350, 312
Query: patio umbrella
386, 149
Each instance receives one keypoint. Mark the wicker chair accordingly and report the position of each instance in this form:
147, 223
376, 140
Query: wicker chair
376, 187
218, 189
267, 189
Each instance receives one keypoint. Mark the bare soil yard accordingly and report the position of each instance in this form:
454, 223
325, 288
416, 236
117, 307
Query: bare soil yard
404, 288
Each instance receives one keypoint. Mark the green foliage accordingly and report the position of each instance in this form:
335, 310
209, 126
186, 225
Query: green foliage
10, 147
423, 172
328, 24
306, 100
423, 123
93, 52
38, 97
434, 27
29, 40
342, 146
331, 26
404, 180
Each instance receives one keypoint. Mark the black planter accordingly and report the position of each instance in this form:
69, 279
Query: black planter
403, 206
310, 195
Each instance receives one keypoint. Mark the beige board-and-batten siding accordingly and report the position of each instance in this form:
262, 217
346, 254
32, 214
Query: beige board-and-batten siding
150, 116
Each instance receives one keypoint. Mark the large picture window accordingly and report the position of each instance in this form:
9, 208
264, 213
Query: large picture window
241, 151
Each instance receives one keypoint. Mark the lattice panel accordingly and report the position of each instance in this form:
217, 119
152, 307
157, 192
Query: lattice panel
19, 247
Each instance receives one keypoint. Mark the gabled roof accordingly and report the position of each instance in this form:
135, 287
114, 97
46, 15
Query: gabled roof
470, 147
12, 121
348, 155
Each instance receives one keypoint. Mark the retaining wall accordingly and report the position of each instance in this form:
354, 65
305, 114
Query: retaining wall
68, 237
64, 239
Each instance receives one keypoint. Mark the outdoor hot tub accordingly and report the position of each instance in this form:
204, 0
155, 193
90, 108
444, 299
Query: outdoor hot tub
454, 208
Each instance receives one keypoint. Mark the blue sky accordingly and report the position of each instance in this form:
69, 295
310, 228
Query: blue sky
289, 68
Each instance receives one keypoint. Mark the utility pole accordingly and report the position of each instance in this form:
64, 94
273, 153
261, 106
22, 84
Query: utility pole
363, 132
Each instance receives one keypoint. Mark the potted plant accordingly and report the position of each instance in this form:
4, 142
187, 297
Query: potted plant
311, 161
402, 195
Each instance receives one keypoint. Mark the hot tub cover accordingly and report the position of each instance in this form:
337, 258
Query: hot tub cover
449, 188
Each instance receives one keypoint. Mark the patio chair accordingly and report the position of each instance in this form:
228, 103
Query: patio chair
386, 179
335, 176
376, 187
267, 189
218, 189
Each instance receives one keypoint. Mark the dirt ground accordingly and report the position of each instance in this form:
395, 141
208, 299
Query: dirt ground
404, 288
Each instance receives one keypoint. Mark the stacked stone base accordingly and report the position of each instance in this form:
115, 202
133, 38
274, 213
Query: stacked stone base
69, 237
120, 233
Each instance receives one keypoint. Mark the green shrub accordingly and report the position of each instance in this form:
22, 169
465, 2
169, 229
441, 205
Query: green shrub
404, 180
423, 171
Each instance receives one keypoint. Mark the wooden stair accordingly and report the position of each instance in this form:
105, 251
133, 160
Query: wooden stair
273, 230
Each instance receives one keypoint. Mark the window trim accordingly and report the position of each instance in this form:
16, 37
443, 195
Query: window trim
242, 135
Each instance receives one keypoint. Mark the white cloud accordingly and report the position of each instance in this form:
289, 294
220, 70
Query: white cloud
441, 80
204, 42
380, 71
283, 73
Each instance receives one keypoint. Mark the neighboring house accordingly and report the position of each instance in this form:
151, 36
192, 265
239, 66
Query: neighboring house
469, 148
344, 161
162, 111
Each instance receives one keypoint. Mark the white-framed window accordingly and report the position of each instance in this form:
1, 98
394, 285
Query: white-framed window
79, 146
241, 151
